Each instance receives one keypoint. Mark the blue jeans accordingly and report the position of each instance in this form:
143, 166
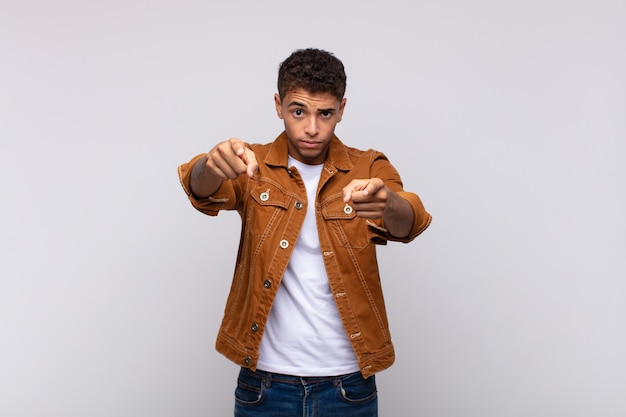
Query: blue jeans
263, 394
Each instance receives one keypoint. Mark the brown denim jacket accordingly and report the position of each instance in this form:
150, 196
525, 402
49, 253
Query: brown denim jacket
272, 206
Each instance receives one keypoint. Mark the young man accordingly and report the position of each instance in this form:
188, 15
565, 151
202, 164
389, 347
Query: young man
305, 318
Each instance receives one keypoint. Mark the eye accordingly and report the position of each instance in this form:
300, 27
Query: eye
326, 114
298, 112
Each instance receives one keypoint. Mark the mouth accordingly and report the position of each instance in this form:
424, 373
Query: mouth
309, 144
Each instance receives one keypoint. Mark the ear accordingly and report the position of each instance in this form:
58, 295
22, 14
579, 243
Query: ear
279, 106
341, 107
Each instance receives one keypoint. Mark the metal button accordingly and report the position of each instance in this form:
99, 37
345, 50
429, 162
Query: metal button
247, 360
267, 283
299, 205
347, 209
284, 244
265, 196
254, 327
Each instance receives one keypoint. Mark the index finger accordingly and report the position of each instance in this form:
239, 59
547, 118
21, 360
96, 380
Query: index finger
347, 194
249, 158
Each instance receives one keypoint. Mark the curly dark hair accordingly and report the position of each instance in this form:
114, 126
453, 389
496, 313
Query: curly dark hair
313, 70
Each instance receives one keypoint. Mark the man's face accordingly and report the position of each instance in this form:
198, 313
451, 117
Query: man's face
310, 121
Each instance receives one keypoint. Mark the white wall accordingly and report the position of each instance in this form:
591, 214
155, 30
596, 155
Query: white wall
507, 117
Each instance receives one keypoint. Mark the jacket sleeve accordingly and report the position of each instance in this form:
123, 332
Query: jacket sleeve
225, 198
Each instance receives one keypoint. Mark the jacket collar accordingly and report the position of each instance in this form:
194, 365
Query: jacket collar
337, 153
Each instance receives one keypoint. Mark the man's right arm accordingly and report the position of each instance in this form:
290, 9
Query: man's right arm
202, 183
227, 160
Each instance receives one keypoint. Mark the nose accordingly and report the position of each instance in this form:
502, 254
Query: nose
311, 128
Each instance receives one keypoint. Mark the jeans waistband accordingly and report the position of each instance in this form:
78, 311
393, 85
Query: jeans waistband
298, 380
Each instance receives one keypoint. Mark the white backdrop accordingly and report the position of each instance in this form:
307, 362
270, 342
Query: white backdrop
507, 117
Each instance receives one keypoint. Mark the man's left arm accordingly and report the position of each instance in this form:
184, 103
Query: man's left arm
402, 213
371, 199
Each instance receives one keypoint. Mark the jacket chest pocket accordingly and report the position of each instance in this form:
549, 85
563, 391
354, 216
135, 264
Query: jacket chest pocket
267, 206
351, 231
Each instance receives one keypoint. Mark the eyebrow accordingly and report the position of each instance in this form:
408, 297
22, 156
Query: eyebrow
299, 104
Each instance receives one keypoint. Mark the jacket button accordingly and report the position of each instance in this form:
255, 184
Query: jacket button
254, 327
267, 283
265, 196
284, 244
347, 209
299, 205
247, 360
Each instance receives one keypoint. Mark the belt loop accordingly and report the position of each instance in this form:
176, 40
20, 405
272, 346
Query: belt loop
267, 379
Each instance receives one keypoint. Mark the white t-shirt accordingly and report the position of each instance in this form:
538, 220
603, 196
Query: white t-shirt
304, 334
